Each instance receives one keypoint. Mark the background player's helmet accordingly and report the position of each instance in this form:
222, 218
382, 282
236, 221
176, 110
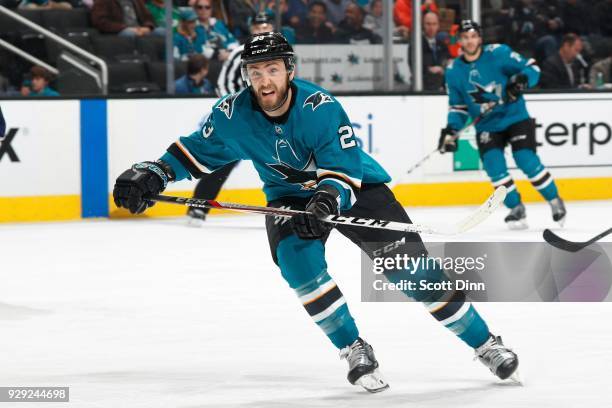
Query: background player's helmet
264, 47
468, 25
263, 17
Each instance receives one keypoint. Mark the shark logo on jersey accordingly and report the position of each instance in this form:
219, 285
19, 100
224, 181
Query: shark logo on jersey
227, 106
206, 126
485, 94
306, 176
317, 99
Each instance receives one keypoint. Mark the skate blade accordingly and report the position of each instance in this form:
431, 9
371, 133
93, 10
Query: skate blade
516, 378
561, 222
195, 222
372, 382
517, 225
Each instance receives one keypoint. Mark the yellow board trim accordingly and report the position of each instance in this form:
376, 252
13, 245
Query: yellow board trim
68, 207
40, 208
416, 195
470, 193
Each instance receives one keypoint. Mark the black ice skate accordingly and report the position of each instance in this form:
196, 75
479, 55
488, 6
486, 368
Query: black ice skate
517, 218
363, 367
501, 360
558, 210
197, 216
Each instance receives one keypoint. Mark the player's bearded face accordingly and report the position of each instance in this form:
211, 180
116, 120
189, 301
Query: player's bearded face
270, 82
470, 42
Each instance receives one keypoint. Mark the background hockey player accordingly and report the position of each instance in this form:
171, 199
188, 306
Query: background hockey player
475, 81
302, 144
230, 81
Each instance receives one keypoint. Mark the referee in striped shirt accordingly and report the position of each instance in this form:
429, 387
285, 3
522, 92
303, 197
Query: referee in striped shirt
230, 81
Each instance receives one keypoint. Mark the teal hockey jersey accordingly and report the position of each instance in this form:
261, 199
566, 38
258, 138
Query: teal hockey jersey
471, 85
312, 144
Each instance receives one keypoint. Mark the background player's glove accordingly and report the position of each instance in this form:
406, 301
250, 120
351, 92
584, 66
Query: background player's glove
146, 178
517, 84
448, 140
323, 203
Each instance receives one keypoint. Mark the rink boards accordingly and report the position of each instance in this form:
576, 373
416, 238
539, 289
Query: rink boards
59, 158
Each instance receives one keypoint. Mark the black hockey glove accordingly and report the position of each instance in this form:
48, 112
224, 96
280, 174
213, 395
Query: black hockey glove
448, 140
515, 87
324, 202
146, 178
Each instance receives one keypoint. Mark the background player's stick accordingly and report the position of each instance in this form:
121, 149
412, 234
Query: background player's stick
459, 133
469, 222
558, 242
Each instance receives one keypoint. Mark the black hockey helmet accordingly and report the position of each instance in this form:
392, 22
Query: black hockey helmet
264, 47
468, 25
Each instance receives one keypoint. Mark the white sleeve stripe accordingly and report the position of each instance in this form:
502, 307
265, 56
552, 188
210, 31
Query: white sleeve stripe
192, 159
324, 172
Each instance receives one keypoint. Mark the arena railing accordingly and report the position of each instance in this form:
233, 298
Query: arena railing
101, 78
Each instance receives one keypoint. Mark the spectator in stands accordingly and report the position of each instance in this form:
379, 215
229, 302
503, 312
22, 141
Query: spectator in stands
283, 8
549, 29
129, 18
241, 11
2, 124
45, 4
287, 31
374, 19
523, 23
351, 29
435, 54
297, 12
560, 71
402, 14
157, 8
195, 82
336, 10
4, 85
576, 17
603, 13
315, 29
601, 72
186, 41
39, 84
213, 33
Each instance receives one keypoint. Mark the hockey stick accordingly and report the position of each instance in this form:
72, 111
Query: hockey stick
459, 133
569, 246
486, 209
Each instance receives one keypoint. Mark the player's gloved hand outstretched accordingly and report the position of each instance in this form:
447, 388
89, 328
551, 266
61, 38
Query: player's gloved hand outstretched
143, 179
515, 87
448, 140
322, 204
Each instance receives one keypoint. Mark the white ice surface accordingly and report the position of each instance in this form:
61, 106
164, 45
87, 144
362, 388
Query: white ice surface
151, 313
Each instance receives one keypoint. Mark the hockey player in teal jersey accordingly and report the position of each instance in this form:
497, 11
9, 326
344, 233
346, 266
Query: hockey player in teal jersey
493, 77
301, 142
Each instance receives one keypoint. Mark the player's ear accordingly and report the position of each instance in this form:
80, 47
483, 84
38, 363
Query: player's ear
291, 75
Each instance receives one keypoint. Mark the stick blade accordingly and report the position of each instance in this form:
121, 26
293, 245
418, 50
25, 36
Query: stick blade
484, 211
560, 243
